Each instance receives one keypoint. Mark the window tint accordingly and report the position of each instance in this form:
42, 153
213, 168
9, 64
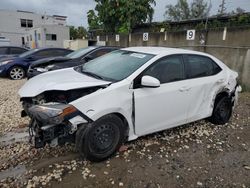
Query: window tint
60, 52
166, 70
46, 53
200, 66
16, 50
3, 51
100, 52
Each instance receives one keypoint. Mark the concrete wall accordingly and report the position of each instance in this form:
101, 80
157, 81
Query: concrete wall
75, 44
234, 50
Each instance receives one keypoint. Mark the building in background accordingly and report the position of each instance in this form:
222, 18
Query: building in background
32, 30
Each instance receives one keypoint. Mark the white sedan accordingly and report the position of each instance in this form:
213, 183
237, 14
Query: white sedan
127, 94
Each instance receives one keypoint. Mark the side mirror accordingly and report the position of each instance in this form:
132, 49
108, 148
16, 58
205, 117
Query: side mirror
149, 81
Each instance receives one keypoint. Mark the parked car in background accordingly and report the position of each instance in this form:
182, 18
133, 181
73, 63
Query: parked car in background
4, 41
126, 94
11, 51
73, 59
16, 67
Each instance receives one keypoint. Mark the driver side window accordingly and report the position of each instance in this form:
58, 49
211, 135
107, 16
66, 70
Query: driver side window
168, 69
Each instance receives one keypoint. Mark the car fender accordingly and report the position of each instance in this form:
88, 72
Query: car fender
116, 98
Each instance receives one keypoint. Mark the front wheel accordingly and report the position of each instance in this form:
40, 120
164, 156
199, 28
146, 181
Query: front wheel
102, 138
16, 73
222, 111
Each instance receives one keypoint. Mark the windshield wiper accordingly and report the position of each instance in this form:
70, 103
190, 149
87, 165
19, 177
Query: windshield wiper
92, 74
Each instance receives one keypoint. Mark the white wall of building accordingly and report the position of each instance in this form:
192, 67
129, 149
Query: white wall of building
10, 26
40, 40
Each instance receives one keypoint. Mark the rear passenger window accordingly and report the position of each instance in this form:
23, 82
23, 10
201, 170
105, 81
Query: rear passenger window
3, 51
17, 50
200, 66
60, 52
46, 53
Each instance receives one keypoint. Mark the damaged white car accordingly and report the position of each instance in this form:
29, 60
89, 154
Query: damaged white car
127, 94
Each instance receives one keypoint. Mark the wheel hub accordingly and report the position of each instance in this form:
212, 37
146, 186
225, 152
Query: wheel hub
103, 138
16, 73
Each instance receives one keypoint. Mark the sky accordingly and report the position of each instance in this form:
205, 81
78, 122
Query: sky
76, 10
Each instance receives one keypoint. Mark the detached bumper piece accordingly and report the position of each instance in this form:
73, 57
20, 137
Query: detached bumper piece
52, 124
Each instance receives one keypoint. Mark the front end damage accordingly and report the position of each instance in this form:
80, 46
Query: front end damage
54, 123
53, 120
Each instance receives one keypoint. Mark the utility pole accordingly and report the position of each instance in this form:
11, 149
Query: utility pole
222, 8
206, 29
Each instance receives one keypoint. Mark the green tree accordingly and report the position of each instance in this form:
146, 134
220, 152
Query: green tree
238, 10
199, 9
122, 15
77, 32
72, 32
183, 11
178, 12
93, 20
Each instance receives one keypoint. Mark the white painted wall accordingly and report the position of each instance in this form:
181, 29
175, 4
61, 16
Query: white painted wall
61, 32
10, 24
76, 44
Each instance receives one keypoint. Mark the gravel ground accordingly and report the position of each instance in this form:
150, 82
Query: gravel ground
10, 105
194, 155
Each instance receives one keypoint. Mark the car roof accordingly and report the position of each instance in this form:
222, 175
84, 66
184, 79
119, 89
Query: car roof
161, 50
97, 47
52, 48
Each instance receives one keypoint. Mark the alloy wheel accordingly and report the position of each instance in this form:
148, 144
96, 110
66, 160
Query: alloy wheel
17, 73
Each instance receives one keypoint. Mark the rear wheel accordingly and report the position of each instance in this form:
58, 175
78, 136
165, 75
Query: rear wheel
222, 111
102, 138
16, 73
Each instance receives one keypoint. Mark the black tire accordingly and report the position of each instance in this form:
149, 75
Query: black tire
16, 73
222, 111
102, 138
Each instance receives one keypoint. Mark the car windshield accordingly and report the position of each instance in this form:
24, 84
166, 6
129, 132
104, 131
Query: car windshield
80, 52
25, 54
116, 65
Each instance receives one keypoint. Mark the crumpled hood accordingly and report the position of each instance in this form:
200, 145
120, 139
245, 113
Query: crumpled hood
49, 60
65, 79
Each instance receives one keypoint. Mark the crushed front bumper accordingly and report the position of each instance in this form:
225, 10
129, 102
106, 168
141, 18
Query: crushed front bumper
54, 123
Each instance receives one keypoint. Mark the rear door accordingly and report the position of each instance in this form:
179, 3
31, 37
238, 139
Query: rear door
204, 77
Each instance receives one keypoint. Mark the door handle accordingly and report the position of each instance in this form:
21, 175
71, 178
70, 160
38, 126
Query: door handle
185, 88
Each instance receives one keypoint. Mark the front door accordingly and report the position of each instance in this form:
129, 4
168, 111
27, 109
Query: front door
166, 106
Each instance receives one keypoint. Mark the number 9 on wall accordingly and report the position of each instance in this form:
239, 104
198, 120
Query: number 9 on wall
190, 34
